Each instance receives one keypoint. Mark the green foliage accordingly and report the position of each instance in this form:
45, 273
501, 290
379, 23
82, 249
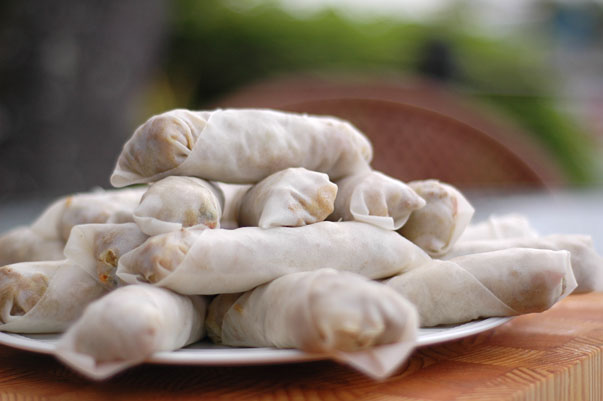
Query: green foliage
563, 138
214, 48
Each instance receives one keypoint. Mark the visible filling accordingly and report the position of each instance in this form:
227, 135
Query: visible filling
19, 293
106, 267
216, 312
163, 143
162, 254
321, 205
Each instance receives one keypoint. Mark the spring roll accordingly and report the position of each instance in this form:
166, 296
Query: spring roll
178, 202
438, 225
87, 208
240, 146
375, 198
225, 261
289, 198
127, 326
500, 283
510, 225
341, 314
44, 297
96, 248
233, 197
22, 244
587, 264
46, 237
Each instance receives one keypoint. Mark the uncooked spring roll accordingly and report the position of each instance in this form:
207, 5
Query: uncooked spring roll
176, 202
96, 248
22, 244
500, 283
323, 311
87, 208
438, 225
587, 264
46, 237
511, 225
224, 261
288, 198
239, 146
44, 297
127, 326
375, 198
233, 197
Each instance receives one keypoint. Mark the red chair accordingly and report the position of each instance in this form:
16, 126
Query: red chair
417, 132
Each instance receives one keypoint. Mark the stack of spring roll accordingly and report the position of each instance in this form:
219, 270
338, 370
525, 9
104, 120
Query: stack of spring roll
261, 228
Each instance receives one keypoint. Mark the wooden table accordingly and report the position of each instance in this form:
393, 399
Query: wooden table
555, 355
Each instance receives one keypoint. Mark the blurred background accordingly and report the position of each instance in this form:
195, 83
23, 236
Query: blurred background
481, 93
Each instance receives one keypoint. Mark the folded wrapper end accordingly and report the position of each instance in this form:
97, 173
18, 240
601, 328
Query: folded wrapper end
382, 361
152, 226
570, 279
121, 178
77, 250
86, 365
379, 362
384, 222
598, 280
123, 272
130, 278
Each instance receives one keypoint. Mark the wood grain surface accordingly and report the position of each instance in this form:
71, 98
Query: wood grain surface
555, 355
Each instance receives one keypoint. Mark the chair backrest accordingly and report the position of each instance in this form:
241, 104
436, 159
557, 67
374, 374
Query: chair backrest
415, 141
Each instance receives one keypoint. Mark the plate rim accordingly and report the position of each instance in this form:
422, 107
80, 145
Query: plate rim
215, 356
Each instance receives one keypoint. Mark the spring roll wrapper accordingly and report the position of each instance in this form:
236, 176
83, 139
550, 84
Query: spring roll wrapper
233, 198
174, 203
225, 261
375, 198
587, 264
22, 244
96, 248
46, 237
240, 146
511, 225
288, 198
127, 326
341, 314
44, 297
437, 226
500, 283
87, 208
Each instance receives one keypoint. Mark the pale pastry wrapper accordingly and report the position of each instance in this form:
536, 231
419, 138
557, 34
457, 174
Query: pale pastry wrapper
22, 244
501, 283
127, 326
240, 146
346, 316
437, 226
375, 198
233, 197
176, 202
51, 295
96, 249
292, 197
98, 206
45, 238
511, 225
225, 261
586, 263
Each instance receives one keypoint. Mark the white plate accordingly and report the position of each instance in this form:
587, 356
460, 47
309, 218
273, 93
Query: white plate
204, 353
